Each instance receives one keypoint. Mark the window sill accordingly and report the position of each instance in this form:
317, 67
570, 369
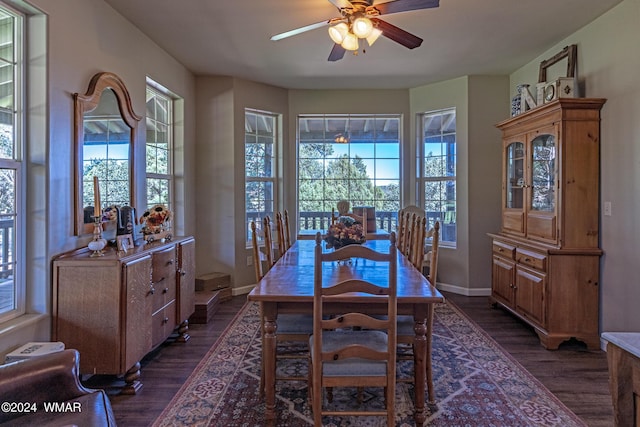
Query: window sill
20, 322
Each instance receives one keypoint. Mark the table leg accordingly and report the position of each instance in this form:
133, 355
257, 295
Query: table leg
270, 314
428, 359
419, 360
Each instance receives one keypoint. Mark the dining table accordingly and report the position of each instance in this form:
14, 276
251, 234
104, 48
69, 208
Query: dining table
288, 288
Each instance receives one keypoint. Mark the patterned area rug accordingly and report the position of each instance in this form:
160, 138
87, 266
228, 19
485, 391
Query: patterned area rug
476, 383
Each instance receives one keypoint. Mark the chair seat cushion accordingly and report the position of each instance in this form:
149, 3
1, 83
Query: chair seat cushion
295, 324
405, 325
333, 340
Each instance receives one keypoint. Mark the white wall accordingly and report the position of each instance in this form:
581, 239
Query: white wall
608, 67
480, 102
221, 236
85, 37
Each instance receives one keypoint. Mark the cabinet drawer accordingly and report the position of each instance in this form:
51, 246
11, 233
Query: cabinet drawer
504, 249
163, 323
532, 259
163, 264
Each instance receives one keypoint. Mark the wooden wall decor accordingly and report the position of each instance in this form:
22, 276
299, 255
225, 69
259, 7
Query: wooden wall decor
569, 52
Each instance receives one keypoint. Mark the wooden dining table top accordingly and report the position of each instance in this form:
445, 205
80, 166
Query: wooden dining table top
291, 277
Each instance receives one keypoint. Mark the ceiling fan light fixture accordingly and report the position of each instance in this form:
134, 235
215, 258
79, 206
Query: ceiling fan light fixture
350, 42
375, 33
338, 32
362, 27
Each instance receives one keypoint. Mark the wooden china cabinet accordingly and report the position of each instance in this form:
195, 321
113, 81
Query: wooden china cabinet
546, 257
116, 308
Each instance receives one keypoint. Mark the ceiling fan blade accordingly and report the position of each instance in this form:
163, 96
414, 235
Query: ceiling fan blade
405, 5
337, 53
341, 4
299, 30
398, 35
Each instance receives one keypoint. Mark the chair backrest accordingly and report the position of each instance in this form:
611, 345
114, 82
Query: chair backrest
414, 209
268, 241
400, 229
417, 250
410, 222
257, 258
280, 233
287, 231
384, 288
434, 235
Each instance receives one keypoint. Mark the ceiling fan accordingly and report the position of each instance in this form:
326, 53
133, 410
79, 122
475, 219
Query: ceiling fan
359, 20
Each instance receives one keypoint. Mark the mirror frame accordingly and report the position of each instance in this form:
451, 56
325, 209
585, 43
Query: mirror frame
89, 102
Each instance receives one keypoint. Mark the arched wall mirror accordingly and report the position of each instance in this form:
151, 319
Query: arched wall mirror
105, 135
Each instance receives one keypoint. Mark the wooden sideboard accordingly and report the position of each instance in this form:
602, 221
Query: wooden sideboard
116, 308
546, 258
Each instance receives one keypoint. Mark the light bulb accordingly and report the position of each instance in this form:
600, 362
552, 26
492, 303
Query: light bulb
362, 27
337, 32
350, 42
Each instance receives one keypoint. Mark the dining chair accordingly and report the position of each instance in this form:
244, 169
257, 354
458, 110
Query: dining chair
416, 255
430, 259
268, 240
353, 349
289, 327
280, 233
287, 231
408, 239
406, 332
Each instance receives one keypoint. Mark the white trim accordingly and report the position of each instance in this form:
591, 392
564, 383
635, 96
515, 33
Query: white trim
243, 290
475, 292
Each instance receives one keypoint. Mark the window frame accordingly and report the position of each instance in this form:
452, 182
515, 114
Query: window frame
276, 136
422, 179
159, 91
346, 135
17, 165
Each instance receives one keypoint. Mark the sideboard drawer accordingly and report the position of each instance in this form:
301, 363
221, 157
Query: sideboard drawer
504, 249
532, 259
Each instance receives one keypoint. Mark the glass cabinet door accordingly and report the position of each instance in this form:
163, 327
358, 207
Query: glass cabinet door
515, 176
543, 173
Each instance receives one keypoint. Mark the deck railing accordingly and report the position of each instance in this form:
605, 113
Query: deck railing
385, 220
6, 243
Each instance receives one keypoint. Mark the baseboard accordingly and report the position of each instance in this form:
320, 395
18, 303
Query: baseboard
459, 290
242, 290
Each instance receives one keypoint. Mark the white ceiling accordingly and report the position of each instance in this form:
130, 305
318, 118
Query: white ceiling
461, 37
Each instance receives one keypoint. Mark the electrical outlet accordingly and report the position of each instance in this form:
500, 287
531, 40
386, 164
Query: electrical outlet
249, 260
607, 208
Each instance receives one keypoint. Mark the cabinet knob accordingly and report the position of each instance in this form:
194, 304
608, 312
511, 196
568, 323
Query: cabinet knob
527, 259
170, 262
165, 290
183, 273
165, 320
152, 290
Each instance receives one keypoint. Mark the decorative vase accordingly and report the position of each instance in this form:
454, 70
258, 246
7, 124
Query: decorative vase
516, 101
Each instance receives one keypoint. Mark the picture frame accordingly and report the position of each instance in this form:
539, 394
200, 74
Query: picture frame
570, 53
124, 242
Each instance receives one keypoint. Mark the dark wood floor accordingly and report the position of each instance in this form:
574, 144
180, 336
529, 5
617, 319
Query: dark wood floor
578, 377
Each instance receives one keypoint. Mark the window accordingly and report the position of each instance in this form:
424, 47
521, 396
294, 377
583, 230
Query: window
12, 186
159, 148
261, 133
350, 157
437, 170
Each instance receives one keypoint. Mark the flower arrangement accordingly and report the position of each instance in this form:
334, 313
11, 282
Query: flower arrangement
346, 231
154, 219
